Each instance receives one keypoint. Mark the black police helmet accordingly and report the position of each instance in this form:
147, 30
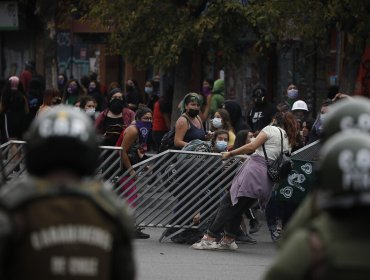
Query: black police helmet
62, 139
352, 114
343, 170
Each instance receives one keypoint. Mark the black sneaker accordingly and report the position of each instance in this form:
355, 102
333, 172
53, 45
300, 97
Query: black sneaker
254, 226
140, 235
245, 238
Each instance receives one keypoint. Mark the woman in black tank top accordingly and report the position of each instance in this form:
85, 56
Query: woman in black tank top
189, 125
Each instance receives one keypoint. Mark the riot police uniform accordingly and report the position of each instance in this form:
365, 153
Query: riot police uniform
349, 115
335, 244
59, 223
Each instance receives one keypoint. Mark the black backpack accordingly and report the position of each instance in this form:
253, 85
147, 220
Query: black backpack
168, 140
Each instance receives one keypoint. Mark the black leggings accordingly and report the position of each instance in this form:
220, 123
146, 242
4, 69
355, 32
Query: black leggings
228, 216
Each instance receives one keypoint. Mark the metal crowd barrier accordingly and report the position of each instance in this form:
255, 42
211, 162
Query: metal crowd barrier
169, 189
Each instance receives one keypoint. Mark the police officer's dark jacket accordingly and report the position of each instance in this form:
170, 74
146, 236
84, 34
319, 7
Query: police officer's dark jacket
63, 232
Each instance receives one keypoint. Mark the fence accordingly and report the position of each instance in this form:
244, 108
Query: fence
170, 188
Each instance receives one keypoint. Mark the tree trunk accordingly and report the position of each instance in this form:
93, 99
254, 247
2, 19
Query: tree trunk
50, 55
181, 84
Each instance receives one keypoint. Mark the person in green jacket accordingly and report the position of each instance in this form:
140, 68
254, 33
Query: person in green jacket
217, 98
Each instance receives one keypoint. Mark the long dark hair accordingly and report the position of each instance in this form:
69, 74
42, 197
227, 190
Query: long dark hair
288, 123
141, 111
241, 138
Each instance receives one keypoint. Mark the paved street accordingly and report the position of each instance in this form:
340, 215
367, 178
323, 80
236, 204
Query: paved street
174, 261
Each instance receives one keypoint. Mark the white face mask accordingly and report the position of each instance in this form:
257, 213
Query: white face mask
90, 111
217, 122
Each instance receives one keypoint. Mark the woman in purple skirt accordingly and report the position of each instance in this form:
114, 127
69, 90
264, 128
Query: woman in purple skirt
251, 183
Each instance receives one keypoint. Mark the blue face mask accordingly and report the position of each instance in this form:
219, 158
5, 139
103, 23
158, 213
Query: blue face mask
292, 94
221, 146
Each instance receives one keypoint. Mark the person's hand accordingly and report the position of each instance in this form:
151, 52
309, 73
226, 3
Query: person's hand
226, 155
140, 153
196, 219
132, 173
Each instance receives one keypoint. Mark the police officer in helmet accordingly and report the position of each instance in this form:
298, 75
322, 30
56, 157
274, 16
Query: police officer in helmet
60, 223
346, 115
335, 244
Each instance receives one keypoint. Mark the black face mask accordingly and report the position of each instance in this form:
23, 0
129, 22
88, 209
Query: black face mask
193, 112
116, 106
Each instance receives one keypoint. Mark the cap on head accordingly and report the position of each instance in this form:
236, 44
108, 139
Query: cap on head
344, 170
62, 139
347, 115
300, 105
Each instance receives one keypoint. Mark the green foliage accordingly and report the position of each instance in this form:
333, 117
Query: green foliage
311, 20
157, 32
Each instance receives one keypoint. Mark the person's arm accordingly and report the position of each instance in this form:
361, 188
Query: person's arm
181, 127
205, 112
99, 122
128, 140
247, 148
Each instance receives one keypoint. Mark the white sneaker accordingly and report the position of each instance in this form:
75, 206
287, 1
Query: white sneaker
205, 245
223, 245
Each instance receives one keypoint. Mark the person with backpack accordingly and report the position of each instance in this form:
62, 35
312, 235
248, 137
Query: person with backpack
251, 184
217, 144
335, 243
59, 222
189, 125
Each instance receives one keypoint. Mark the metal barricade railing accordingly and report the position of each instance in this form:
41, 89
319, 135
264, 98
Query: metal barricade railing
309, 152
169, 189
172, 187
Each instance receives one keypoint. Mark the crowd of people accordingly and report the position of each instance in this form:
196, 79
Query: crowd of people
137, 122
112, 109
